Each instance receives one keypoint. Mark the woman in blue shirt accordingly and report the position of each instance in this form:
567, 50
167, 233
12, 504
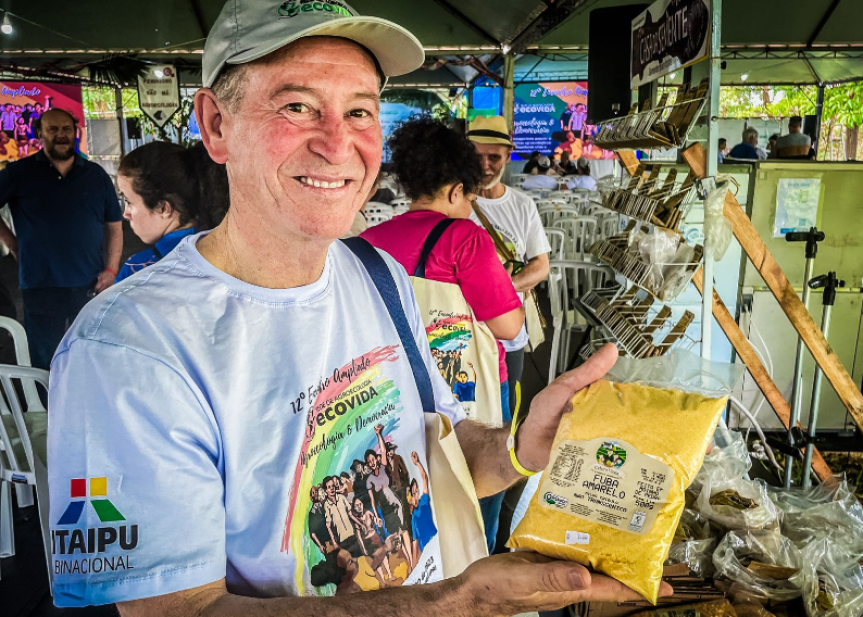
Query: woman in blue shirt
170, 192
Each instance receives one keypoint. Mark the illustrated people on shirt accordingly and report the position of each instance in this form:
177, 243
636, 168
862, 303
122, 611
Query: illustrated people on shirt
464, 390
346, 486
383, 497
340, 519
422, 522
318, 520
376, 549
361, 491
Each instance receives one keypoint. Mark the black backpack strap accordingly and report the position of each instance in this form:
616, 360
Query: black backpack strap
431, 240
389, 292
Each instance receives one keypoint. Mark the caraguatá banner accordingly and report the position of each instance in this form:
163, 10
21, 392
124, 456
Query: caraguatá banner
159, 93
669, 35
22, 103
551, 118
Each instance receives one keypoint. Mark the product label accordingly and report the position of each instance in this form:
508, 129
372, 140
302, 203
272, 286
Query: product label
606, 481
577, 537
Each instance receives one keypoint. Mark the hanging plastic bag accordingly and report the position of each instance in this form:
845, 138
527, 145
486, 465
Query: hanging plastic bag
718, 230
612, 494
832, 580
761, 565
693, 544
737, 503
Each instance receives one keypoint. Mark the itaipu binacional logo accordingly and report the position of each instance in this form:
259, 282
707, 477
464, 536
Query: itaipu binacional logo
84, 551
610, 454
292, 8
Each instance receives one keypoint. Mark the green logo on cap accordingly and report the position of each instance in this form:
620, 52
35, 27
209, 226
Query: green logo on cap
292, 8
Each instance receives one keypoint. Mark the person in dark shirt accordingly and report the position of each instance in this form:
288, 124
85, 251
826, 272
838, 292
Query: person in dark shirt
361, 491
748, 148
532, 162
68, 232
566, 117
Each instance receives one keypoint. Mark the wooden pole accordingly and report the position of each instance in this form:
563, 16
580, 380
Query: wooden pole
756, 369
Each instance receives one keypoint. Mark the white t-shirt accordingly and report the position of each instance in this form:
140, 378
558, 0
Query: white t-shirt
541, 181
515, 217
192, 415
794, 139
581, 182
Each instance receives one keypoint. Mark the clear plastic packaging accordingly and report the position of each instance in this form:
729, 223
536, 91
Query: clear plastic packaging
727, 460
761, 565
715, 608
737, 503
693, 544
613, 492
832, 580
718, 230
824, 511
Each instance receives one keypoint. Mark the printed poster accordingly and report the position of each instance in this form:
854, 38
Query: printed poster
551, 117
797, 201
22, 103
359, 516
159, 93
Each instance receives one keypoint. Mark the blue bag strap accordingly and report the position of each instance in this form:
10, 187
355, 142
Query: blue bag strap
389, 292
428, 246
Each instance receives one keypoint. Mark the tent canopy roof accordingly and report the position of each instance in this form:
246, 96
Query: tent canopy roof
775, 41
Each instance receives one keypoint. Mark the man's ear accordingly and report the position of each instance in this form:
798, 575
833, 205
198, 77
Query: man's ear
213, 120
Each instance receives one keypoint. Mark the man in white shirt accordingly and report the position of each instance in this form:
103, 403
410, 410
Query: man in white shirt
545, 177
196, 404
582, 179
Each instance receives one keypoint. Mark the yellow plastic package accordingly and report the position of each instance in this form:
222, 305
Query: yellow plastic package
613, 492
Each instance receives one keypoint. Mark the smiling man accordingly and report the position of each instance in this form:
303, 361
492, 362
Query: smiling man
209, 394
68, 232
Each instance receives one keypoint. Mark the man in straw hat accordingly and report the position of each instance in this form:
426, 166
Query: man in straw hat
195, 404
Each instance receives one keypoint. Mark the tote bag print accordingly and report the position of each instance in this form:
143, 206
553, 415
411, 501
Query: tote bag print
464, 350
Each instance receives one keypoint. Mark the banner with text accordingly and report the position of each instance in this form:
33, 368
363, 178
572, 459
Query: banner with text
551, 118
669, 35
22, 103
159, 93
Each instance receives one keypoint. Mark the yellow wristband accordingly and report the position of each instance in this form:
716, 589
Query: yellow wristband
510, 445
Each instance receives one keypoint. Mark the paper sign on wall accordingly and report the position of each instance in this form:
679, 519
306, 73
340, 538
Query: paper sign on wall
159, 93
797, 201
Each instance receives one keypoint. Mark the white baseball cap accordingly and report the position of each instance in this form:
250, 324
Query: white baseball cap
250, 29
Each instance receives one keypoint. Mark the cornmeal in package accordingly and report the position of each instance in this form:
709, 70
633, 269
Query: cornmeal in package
613, 492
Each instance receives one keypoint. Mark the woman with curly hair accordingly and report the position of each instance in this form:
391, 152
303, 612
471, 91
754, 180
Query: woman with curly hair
440, 172
170, 192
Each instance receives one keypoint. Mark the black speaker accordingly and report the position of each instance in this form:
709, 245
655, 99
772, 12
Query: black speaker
810, 126
610, 39
133, 128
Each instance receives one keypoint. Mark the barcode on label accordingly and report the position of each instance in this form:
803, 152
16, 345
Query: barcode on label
577, 537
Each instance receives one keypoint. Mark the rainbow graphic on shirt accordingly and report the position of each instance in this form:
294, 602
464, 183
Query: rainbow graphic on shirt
449, 333
339, 429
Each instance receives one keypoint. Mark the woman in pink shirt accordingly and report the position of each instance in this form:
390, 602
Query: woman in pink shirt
440, 172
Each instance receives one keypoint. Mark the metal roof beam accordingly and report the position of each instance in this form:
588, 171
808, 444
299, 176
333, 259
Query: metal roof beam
827, 15
467, 21
554, 15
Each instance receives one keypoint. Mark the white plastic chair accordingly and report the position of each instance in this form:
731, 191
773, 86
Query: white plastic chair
400, 209
23, 493
401, 201
556, 239
608, 225
580, 235
550, 212
376, 218
376, 207
24, 436
518, 179
565, 196
567, 281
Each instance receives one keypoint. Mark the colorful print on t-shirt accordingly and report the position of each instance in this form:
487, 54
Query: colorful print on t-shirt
349, 520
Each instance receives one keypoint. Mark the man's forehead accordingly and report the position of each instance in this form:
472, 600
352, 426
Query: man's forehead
491, 149
319, 50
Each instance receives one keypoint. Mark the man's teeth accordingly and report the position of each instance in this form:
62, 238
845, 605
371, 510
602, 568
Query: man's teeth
335, 184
